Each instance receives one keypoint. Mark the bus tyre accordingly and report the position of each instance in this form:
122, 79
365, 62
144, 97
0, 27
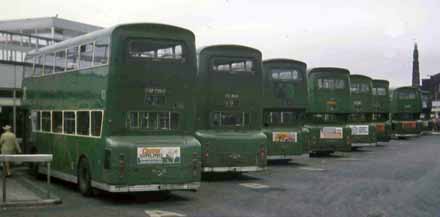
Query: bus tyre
84, 178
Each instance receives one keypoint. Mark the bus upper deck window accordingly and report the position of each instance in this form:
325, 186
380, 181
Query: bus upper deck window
101, 52
233, 65
155, 49
285, 74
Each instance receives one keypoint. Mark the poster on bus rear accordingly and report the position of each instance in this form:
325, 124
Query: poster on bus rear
158, 155
284, 137
331, 133
359, 130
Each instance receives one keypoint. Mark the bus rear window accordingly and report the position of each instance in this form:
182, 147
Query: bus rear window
359, 88
285, 75
229, 119
233, 65
379, 91
153, 120
328, 118
283, 118
155, 49
407, 95
330, 83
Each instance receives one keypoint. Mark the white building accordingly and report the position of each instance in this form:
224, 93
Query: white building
48, 27
17, 37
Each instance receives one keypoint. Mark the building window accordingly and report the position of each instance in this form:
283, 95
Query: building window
60, 61
96, 123
49, 63
57, 122
101, 52
83, 123
86, 55
45, 121
39, 65
69, 122
72, 58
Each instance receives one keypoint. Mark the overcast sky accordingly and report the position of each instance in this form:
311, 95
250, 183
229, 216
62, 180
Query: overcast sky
372, 37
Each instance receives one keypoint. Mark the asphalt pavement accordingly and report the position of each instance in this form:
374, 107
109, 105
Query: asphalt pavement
400, 178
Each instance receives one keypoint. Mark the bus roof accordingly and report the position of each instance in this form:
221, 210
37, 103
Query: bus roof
99, 33
220, 47
381, 81
361, 77
405, 87
284, 60
329, 69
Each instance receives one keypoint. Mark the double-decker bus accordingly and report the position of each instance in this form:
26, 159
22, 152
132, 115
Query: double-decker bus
115, 108
284, 107
229, 112
406, 106
381, 107
328, 110
425, 115
363, 131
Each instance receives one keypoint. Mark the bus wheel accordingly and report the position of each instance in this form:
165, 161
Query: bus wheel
84, 178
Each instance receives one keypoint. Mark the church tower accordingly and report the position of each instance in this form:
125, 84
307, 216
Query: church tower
416, 72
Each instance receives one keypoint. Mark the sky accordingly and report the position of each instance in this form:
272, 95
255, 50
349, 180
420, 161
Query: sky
370, 37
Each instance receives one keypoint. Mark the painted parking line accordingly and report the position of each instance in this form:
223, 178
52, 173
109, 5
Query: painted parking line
313, 169
254, 185
161, 213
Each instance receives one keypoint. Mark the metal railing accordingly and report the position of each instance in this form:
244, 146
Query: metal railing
25, 158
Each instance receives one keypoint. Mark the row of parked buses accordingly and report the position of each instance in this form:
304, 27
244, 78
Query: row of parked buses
136, 108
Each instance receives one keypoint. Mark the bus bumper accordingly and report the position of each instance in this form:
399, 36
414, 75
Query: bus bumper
406, 135
192, 186
357, 145
281, 157
234, 169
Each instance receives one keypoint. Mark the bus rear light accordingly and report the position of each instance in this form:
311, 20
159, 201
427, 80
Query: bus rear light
121, 165
107, 159
206, 152
262, 153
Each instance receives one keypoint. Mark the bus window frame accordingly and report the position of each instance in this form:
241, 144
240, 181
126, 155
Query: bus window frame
182, 43
243, 124
65, 57
76, 122
158, 129
244, 59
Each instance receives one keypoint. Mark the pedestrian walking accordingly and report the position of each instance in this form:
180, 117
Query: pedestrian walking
8, 145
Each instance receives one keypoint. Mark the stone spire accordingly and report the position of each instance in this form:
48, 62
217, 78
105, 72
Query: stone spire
415, 72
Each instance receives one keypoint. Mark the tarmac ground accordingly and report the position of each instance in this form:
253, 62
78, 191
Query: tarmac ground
399, 178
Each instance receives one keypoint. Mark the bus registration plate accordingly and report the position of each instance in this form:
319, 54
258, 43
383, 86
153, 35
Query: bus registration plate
331, 133
158, 155
284, 137
359, 130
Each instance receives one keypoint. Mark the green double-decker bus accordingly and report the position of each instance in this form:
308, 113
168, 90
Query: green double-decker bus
381, 107
115, 108
329, 107
284, 108
425, 115
229, 112
363, 131
406, 106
